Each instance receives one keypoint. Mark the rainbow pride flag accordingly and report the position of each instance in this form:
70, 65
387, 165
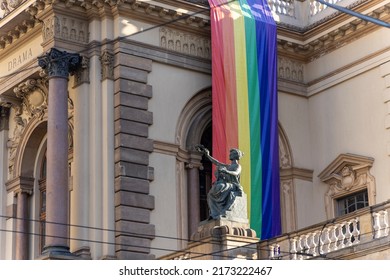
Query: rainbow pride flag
244, 80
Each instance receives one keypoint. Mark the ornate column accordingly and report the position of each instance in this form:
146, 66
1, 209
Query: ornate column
58, 65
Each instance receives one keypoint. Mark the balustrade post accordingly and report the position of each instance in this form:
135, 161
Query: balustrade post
355, 232
348, 233
293, 249
386, 222
376, 226
341, 235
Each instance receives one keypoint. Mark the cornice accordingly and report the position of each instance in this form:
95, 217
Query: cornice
334, 32
345, 160
189, 17
305, 45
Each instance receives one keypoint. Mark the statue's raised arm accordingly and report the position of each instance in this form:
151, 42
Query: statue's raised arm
206, 153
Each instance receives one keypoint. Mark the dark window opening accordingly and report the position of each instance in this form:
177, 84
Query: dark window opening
205, 175
42, 204
352, 202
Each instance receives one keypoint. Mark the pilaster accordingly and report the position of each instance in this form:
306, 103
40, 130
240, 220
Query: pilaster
107, 80
80, 196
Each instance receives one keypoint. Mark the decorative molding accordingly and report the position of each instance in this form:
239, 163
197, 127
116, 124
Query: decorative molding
107, 65
18, 31
9, 5
13, 143
288, 205
290, 70
33, 94
32, 103
285, 157
347, 174
216, 228
20, 184
186, 43
296, 173
82, 73
66, 28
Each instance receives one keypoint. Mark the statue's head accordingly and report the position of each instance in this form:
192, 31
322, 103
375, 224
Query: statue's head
235, 154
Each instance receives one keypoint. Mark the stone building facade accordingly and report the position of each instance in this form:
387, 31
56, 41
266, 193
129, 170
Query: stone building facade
102, 103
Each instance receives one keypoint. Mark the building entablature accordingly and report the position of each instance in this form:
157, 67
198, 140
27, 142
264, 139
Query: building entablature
18, 21
325, 29
306, 31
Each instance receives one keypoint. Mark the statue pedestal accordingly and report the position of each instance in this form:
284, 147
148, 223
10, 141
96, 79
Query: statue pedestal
238, 211
219, 240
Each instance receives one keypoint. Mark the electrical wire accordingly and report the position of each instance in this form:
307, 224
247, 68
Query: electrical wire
124, 233
127, 233
171, 251
203, 10
282, 254
355, 14
121, 38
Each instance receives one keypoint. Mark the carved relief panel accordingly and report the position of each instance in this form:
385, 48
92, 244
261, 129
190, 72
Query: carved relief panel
186, 43
66, 28
290, 70
30, 106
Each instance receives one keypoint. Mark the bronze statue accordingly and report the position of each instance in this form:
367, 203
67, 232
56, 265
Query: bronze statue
227, 185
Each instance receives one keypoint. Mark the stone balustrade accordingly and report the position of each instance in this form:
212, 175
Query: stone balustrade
279, 7
361, 227
317, 7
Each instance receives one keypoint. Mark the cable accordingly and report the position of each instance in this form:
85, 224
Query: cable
336, 7
217, 253
120, 38
172, 251
319, 238
183, 251
355, 14
129, 234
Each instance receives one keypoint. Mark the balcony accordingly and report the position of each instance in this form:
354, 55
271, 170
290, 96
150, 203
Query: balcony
300, 14
360, 234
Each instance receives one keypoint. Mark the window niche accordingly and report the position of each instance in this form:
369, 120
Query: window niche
347, 176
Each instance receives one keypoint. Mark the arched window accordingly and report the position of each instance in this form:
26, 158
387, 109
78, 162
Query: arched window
195, 127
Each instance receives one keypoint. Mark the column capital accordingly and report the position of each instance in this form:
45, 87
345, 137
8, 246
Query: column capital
59, 63
20, 185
